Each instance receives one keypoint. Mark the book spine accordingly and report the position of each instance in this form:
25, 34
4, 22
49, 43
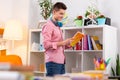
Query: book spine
93, 43
96, 39
80, 44
89, 42
85, 43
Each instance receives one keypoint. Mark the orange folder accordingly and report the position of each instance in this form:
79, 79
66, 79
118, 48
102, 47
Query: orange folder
76, 38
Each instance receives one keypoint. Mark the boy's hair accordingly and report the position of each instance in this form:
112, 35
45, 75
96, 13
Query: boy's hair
59, 5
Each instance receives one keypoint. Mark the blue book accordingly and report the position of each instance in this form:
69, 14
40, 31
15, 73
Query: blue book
89, 43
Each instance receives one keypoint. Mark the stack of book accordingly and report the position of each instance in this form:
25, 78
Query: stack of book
91, 43
12, 72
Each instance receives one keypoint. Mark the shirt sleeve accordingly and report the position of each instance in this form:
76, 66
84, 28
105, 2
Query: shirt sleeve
67, 46
47, 36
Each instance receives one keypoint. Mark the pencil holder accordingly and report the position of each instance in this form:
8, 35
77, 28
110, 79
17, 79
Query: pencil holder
100, 64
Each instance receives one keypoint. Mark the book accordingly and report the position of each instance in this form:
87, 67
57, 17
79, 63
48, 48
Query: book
96, 39
78, 46
85, 43
89, 43
9, 67
7, 75
80, 43
26, 71
93, 43
76, 38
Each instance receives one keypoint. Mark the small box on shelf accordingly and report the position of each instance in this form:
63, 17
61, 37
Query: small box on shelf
42, 67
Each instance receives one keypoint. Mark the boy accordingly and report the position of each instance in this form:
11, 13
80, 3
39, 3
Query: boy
53, 41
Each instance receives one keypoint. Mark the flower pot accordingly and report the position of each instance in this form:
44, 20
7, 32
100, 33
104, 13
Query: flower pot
101, 21
114, 77
78, 22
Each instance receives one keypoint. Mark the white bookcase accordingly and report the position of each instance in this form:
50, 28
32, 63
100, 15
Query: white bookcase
77, 60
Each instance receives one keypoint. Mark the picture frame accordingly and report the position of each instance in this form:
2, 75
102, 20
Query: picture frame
41, 23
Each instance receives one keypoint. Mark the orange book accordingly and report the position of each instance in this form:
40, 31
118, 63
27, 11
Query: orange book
76, 38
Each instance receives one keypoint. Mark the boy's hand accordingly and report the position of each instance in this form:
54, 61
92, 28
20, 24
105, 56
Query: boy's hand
67, 41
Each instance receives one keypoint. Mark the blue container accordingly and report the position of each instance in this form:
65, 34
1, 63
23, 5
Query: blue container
41, 48
101, 21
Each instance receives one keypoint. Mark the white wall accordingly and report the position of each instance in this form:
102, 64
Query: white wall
34, 14
21, 13
5, 10
109, 8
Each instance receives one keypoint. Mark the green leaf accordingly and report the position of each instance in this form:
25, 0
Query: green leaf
108, 61
46, 7
113, 72
87, 13
117, 66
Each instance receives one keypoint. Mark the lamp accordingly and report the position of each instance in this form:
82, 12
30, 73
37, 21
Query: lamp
13, 31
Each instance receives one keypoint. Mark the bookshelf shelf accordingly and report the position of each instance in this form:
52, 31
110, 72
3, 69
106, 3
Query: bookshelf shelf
75, 51
35, 30
39, 72
71, 28
37, 51
82, 60
92, 50
83, 51
84, 27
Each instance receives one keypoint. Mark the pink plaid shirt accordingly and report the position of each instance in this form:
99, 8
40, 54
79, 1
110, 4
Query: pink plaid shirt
51, 36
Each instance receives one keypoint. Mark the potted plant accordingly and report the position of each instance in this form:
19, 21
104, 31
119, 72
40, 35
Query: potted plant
91, 14
101, 20
116, 71
46, 6
79, 21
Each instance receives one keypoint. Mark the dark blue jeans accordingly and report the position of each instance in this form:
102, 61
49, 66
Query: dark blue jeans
54, 68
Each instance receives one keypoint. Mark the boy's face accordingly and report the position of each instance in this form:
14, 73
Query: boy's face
59, 14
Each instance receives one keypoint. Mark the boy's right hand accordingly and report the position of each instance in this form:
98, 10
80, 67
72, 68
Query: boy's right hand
67, 41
